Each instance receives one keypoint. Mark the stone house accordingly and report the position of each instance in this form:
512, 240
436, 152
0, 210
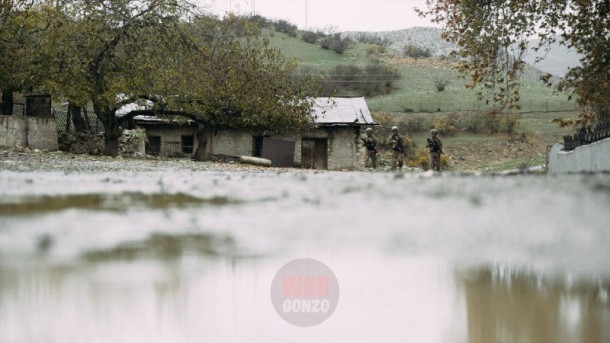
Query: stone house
333, 143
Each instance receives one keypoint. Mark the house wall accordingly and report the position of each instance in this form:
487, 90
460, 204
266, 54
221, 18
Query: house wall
171, 138
30, 132
230, 143
344, 151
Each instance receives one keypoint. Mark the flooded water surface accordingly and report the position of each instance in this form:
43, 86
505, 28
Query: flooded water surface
184, 255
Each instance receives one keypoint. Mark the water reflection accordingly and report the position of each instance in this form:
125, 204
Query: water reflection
84, 260
215, 299
518, 307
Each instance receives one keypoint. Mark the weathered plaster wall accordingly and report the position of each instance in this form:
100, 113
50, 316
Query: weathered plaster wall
594, 157
230, 143
171, 138
343, 150
30, 132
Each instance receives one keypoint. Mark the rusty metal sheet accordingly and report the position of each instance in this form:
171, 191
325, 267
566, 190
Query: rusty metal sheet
279, 151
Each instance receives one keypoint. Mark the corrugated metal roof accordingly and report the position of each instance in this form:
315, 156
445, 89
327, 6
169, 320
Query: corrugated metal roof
328, 111
125, 109
342, 111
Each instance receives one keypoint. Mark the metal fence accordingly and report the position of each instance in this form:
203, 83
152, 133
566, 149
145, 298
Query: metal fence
66, 124
391, 104
587, 135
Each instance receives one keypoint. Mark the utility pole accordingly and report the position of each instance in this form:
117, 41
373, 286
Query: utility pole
306, 7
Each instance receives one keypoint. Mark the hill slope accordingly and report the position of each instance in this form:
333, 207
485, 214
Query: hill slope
556, 61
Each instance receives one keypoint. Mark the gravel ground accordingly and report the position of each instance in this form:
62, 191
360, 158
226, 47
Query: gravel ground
62, 161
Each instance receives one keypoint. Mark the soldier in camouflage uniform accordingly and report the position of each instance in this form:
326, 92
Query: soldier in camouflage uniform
436, 149
370, 143
398, 148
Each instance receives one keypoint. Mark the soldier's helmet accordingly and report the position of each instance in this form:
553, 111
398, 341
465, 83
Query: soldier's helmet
395, 128
434, 132
368, 129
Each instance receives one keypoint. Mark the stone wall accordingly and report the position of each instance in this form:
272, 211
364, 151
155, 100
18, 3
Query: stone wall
28, 132
594, 157
133, 142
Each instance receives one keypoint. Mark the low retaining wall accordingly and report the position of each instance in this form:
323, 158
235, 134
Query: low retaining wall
28, 132
594, 157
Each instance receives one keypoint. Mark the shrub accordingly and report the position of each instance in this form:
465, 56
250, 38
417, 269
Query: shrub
440, 84
415, 123
375, 49
367, 38
311, 37
376, 78
492, 122
473, 122
261, 21
446, 125
510, 123
336, 43
380, 78
414, 51
421, 159
286, 27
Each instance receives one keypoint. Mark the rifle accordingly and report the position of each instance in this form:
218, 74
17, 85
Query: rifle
366, 145
398, 143
433, 146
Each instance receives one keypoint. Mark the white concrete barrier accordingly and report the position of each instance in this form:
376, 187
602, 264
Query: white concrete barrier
257, 161
594, 157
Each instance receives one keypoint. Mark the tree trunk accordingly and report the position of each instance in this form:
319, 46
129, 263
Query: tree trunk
80, 125
111, 138
112, 131
7, 102
202, 142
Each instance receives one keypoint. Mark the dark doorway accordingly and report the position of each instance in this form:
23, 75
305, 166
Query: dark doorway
154, 145
187, 144
314, 153
279, 151
257, 146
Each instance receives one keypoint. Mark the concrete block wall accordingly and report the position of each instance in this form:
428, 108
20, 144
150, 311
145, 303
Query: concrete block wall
29, 132
594, 157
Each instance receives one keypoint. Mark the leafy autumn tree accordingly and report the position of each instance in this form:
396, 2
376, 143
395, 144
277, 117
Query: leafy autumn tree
161, 54
109, 53
23, 24
493, 36
234, 81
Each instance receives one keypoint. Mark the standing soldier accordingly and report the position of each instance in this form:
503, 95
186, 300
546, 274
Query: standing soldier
398, 148
436, 149
370, 143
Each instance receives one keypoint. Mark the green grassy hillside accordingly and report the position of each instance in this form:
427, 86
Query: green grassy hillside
415, 95
416, 90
